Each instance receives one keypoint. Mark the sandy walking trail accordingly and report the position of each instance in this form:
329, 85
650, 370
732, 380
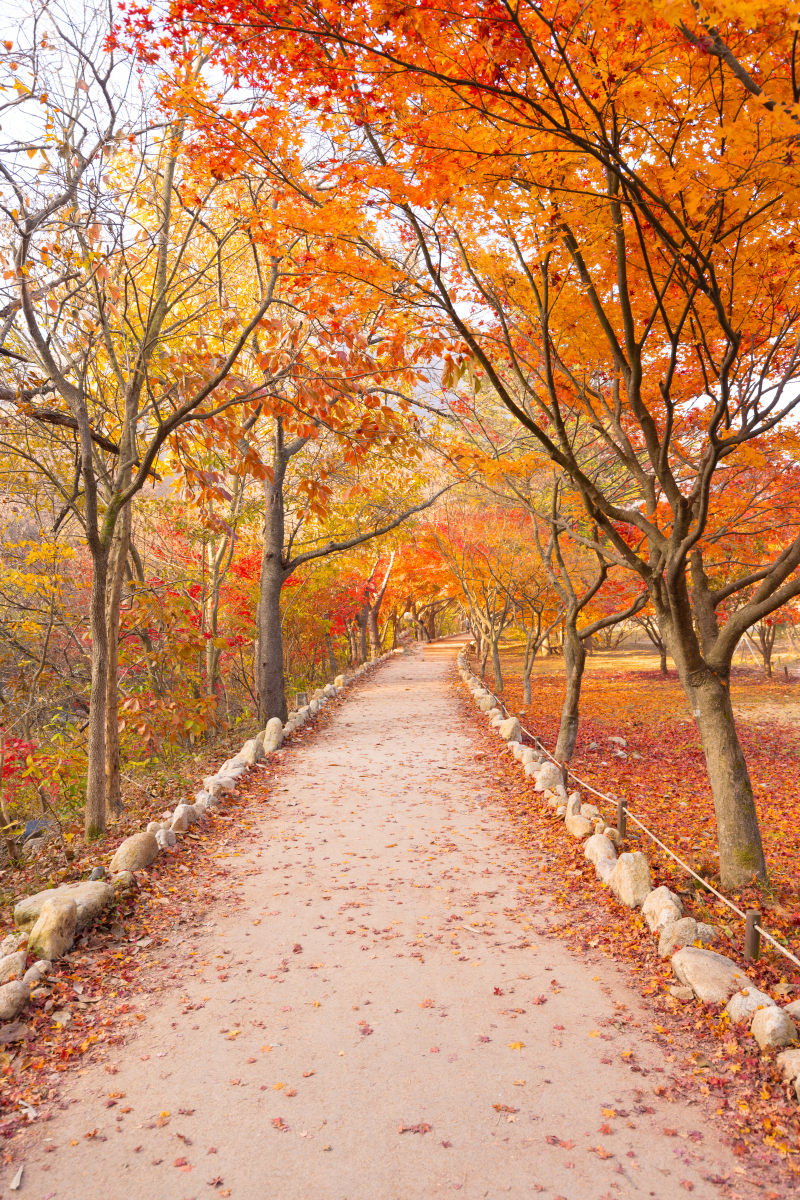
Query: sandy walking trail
380, 1016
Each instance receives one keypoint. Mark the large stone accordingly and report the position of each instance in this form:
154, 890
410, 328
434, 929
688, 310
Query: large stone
684, 932
37, 973
13, 998
136, 852
91, 898
487, 703
744, 1005
252, 752
712, 977
771, 1026
12, 942
330, 691
793, 1010
340, 681
529, 755
12, 966
662, 907
165, 838
549, 776
599, 850
180, 819
510, 730
789, 1063
54, 932
273, 734
576, 825
630, 879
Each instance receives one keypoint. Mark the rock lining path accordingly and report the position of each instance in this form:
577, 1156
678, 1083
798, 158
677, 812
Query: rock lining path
353, 992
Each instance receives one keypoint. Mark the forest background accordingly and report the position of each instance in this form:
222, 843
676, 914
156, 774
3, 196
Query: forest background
325, 327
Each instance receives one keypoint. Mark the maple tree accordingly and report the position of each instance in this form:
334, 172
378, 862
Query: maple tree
621, 213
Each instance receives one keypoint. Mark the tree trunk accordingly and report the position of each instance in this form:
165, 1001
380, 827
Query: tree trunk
498, 673
574, 663
372, 614
741, 855
527, 668
270, 678
351, 637
361, 621
116, 578
95, 812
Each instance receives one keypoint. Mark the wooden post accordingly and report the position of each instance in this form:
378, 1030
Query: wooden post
622, 818
301, 699
752, 935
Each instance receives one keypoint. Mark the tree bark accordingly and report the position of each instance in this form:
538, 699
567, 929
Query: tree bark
741, 854
116, 577
270, 679
498, 671
574, 664
372, 614
95, 812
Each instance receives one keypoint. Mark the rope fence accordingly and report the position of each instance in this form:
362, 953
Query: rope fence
754, 930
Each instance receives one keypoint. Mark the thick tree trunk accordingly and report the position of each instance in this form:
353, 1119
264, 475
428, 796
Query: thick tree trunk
270, 678
663, 661
741, 855
498, 671
95, 812
373, 611
116, 578
574, 663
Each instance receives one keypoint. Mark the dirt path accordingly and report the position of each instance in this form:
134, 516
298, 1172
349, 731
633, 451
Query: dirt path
371, 1022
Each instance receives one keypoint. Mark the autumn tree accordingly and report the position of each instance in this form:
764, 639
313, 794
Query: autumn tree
621, 210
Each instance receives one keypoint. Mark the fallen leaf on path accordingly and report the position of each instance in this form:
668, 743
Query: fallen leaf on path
434, 1049
217, 1182
601, 1152
279, 1124
687, 1184
516, 1045
498, 991
17, 1180
308, 1074
504, 1108
426, 1004
519, 1083
539, 1000
420, 1127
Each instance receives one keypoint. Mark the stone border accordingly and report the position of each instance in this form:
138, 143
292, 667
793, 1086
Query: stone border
710, 977
48, 921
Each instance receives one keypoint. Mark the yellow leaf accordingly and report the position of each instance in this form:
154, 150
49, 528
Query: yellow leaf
516, 1045
595, 1033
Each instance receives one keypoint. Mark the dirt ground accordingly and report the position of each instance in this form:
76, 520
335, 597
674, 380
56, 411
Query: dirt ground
374, 1009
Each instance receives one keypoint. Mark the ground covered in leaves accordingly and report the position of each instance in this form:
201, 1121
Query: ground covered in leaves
97, 990
668, 789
